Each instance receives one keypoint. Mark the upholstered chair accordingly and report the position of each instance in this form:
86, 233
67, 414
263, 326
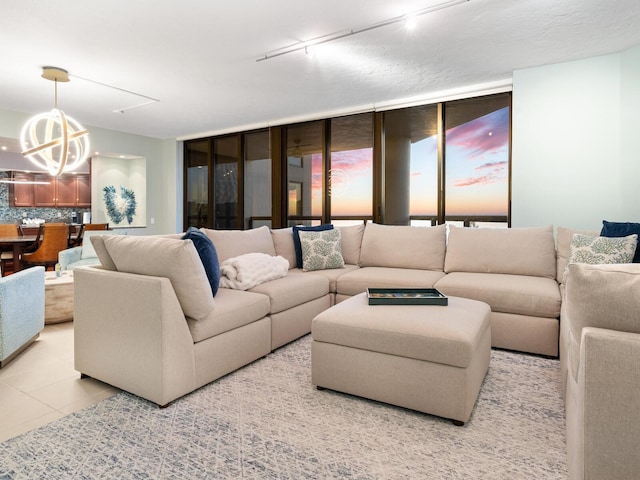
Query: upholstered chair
52, 238
21, 311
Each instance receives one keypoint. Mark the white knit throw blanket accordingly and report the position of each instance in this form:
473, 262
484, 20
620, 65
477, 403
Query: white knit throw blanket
246, 271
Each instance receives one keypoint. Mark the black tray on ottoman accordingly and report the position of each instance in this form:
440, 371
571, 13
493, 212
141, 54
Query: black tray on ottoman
406, 296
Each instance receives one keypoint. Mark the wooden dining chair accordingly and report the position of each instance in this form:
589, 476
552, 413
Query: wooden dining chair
76, 240
6, 253
96, 226
51, 239
85, 227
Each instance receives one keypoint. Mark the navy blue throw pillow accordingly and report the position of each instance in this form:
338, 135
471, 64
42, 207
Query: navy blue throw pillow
622, 229
296, 239
208, 256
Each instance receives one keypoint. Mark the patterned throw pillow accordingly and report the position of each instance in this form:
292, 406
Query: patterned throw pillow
296, 238
321, 250
601, 250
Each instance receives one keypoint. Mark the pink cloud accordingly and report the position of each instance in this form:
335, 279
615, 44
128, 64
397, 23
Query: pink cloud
483, 135
496, 166
467, 182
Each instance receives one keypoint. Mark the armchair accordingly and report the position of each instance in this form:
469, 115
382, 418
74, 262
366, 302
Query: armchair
601, 335
84, 254
21, 311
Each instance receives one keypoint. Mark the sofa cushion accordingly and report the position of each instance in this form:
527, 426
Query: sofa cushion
517, 294
296, 239
403, 247
358, 280
208, 256
102, 253
563, 241
233, 243
321, 250
602, 296
351, 243
516, 251
174, 259
332, 274
293, 290
283, 244
601, 250
234, 309
622, 229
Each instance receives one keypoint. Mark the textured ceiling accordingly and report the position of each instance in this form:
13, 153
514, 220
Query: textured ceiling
198, 57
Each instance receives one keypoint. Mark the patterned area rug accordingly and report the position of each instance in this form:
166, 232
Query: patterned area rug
266, 421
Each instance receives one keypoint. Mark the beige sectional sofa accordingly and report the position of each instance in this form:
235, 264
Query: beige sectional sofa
146, 321
600, 363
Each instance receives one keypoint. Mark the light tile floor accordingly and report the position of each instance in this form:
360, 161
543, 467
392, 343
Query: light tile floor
41, 385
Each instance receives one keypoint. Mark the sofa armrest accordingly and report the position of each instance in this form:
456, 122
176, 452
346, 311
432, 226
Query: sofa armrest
130, 332
69, 256
603, 411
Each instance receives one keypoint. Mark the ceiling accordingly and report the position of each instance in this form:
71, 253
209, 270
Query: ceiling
198, 57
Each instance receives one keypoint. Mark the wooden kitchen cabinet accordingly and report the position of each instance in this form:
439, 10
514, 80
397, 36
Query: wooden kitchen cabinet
83, 191
64, 191
21, 194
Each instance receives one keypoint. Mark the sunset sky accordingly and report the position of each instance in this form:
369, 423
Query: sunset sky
477, 155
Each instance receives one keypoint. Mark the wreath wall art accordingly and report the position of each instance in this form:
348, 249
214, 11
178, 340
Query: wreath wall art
120, 206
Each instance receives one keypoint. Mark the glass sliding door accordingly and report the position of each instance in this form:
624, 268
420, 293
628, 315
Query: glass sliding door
225, 185
305, 175
351, 169
257, 180
411, 166
477, 159
197, 184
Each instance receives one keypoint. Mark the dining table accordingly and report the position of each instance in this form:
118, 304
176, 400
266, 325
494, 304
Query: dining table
17, 242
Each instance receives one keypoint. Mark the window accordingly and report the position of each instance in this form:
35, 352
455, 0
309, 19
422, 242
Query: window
351, 169
257, 180
305, 174
422, 165
197, 184
411, 165
477, 158
225, 184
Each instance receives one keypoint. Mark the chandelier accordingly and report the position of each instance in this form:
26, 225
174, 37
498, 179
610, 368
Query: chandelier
52, 140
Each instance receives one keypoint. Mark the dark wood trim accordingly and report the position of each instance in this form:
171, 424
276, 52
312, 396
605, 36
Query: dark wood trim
378, 168
441, 164
278, 177
326, 171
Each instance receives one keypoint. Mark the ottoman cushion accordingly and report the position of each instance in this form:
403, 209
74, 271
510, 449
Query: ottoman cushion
441, 334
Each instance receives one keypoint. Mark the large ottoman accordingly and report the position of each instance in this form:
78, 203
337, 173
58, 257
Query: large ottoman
427, 358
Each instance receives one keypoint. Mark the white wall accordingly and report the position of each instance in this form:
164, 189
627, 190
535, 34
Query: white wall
576, 147
566, 166
630, 125
163, 164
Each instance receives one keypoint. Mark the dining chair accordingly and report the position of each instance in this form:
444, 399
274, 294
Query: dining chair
76, 240
96, 226
50, 240
6, 253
